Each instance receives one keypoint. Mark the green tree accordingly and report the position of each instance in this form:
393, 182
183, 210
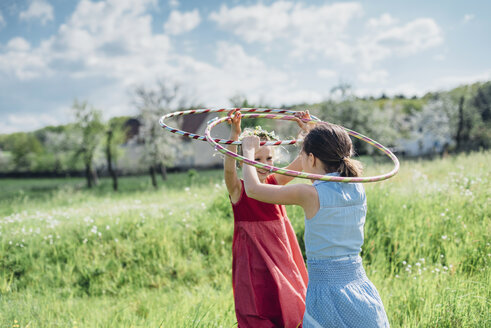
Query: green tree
379, 123
471, 121
24, 148
481, 105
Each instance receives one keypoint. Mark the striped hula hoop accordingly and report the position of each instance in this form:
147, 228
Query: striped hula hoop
259, 112
304, 175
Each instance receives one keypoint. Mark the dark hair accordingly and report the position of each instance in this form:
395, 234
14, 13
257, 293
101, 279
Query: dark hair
332, 145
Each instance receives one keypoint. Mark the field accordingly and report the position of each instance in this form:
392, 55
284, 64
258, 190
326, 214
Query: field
73, 257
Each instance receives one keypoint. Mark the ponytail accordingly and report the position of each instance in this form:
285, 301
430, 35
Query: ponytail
350, 167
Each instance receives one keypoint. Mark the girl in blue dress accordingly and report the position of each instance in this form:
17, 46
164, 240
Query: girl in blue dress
339, 294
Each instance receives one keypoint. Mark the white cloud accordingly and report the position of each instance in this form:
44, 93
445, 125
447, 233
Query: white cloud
19, 122
105, 49
30, 120
467, 18
239, 72
179, 23
111, 39
38, 9
19, 61
2, 21
451, 81
420, 88
325, 30
384, 21
255, 23
375, 76
18, 44
327, 73
252, 77
413, 37
100, 54
174, 3
310, 29
439, 57
236, 72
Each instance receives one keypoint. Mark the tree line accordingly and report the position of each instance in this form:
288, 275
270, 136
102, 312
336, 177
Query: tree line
456, 120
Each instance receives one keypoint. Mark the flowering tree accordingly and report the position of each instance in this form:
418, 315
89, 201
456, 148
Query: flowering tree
88, 124
159, 148
432, 126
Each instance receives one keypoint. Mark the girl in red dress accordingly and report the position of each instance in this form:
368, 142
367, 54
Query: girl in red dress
268, 271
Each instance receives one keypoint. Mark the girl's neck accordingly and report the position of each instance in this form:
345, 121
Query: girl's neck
319, 170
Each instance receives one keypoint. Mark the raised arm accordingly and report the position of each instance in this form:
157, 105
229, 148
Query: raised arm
297, 194
296, 164
232, 181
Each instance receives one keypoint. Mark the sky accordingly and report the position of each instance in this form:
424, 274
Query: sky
274, 53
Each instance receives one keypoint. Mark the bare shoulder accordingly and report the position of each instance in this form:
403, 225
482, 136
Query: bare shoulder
310, 200
307, 190
304, 193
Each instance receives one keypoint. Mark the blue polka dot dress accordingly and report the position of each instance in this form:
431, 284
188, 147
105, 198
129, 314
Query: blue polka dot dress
339, 294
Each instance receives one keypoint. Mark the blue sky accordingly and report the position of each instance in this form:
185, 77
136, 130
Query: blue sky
273, 52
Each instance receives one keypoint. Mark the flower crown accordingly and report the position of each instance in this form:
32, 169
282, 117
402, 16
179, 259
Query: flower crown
259, 132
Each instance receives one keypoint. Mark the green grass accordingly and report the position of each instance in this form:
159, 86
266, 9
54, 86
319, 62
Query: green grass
72, 257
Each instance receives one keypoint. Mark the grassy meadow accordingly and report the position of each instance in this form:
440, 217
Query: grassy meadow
73, 257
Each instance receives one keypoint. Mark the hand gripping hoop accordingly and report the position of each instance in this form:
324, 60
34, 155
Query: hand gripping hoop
304, 175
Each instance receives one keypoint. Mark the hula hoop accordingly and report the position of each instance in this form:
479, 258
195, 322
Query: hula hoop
282, 113
304, 175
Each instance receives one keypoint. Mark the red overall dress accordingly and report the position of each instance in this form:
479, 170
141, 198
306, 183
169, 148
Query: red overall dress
268, 271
